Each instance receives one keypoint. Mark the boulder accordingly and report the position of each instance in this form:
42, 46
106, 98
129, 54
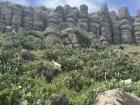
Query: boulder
26, 55
54, 39
59, 100
116, 97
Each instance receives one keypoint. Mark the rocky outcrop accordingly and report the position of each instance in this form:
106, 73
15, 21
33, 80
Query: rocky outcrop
28, 18
83, 21
70, 38
116, 97
18, 15
105, 21
126, 25
115, 27
137, 27
37, 22
53, 35
71, 15
102, 24
95, 24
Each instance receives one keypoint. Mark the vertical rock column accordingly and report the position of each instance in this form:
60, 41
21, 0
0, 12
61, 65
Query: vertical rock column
28, 18
94, 24
2, 20
17, 20
37, 23
7, 12
83, 21
105, 23
55, 18
43, 17
137, 27
115, 27
72, 17
126, 26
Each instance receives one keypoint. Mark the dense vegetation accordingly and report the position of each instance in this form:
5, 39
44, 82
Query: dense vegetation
86, 71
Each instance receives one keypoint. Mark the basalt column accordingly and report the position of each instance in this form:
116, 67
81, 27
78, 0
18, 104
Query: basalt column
17, 20
137, 27
105, 23
2, 20
126, 25
28, 18
115, 27
72, 16
37, 22
83, 21
94, 24
55, 18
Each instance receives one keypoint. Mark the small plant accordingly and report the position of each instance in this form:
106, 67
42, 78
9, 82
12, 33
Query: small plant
76, 81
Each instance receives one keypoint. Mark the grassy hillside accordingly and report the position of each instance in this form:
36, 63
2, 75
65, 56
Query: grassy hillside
86, 71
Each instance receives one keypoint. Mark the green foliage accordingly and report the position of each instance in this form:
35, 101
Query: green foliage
76, 81
86, 72
83, 37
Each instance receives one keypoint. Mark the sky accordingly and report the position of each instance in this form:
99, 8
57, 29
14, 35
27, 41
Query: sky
94, 5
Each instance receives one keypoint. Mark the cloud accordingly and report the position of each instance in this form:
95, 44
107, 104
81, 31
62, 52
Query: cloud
22, 2
92, 4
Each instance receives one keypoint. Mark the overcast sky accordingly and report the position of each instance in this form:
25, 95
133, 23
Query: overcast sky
93, 5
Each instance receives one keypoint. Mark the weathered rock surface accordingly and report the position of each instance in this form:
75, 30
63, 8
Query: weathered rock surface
126, 26
116, 97
71, 38
105, 21
115, 29
137, 27
95, 24
83, 21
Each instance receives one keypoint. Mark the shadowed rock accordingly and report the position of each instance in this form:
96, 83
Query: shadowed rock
115, 27
137, 27
126, 26
116, 97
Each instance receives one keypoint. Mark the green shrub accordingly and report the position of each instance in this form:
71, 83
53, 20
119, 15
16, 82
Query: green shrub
76, 81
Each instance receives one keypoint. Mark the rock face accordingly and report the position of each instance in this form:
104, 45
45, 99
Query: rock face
105, 21
83, 21
71, 38
116, 97
53, 35
103, 24
137, 27
95, 24
115, 27
126, 26
71, 15
17, 20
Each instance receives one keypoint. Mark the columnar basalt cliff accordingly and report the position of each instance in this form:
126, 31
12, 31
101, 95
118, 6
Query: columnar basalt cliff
59, 24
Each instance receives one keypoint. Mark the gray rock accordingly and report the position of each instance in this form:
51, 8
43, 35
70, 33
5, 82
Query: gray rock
126, 26
116, 97
137, 27
105, 22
